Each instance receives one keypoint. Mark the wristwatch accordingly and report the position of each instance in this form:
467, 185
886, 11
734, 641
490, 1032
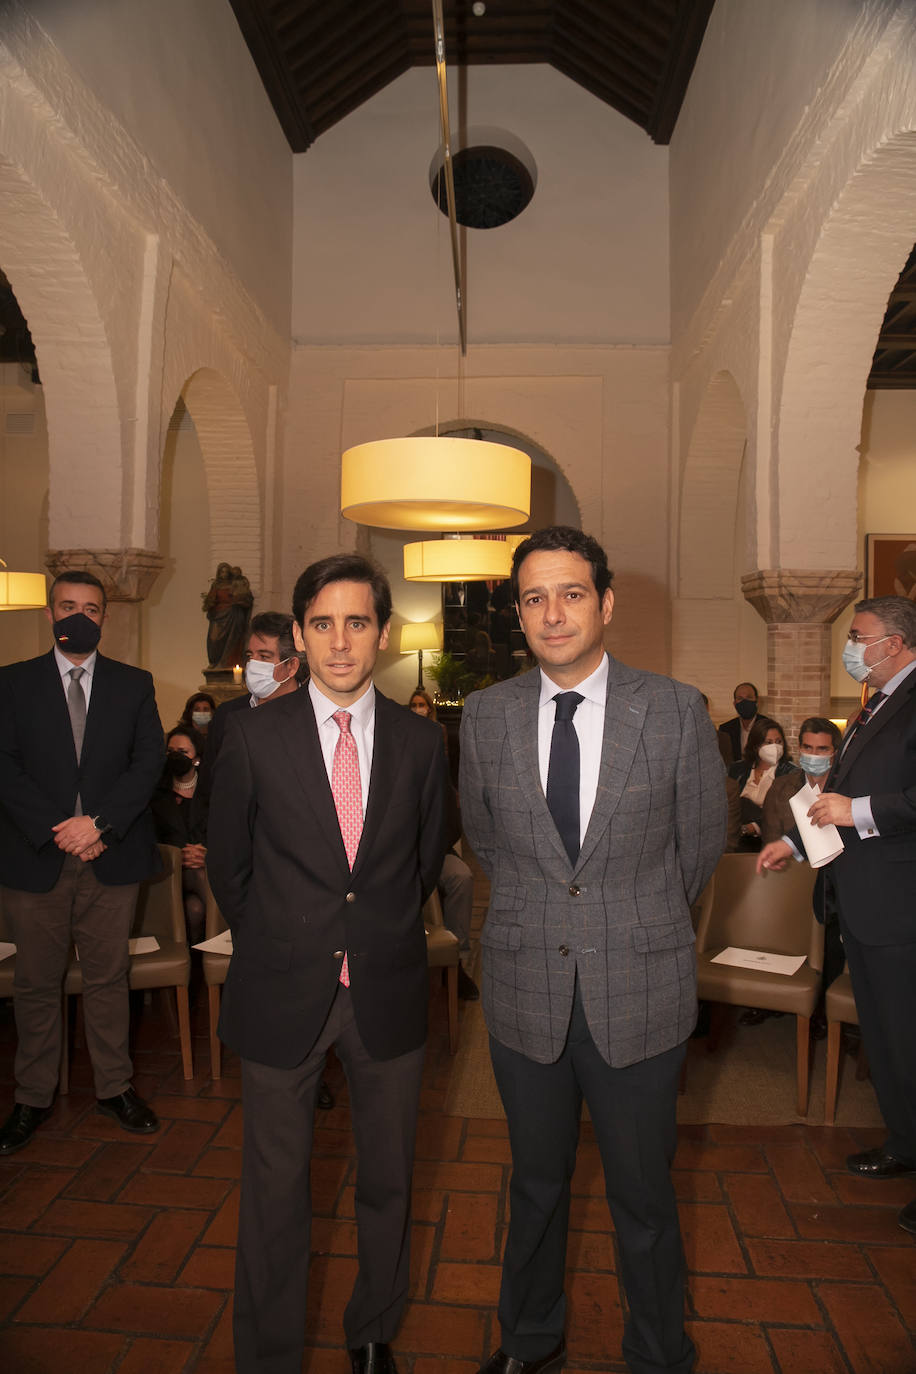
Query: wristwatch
101, 825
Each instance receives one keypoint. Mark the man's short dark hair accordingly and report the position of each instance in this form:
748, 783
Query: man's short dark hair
342, 567
752, 687
276, 625
564, 539
820, 725
896, 613
78, 578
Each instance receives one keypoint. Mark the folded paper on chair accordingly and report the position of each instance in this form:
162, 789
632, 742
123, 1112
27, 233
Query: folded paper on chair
220, 944
786, 964
822, 843
6, 950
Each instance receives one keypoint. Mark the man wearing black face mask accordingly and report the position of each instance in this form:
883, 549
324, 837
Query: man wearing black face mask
732, 734
80, 753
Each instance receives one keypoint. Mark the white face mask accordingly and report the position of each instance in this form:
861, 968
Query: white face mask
260, 680
816, 764
201, 718
854, 659
769, 754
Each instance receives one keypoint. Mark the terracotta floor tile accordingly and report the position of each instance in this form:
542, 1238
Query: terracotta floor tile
488, 1127
171, 1190
331, 1279
594, 1321
831, 1145
433, 1329
423, 1240
465, 1178
162, 1249
804, 1259
73, 1284
731, 1348
592, 1251
440, 1137
109, 1220
217, 1356
804, 1352
201, 1107
148, 1356
704, 1154
866, 1192
223, 1230
209, 1266
178, 1146
57, 1151
710, 1243
328, 1178
470, 1227
30, 1196
332, 1140
861, 1225
728, 1133
475, 1284
443, 1364
757, 1205
332, 1236
108, 1170
51, 1350
588, 1179
219, 1164
798, 1172
696, 1185
871, 1332
426, 1204
31, 1256
229, 1135
487, 1149
13, 1289
589, 1214
170, 1312
755, 1300
896, 1267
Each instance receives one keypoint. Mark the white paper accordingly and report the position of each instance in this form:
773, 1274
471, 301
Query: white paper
143, 944
220, 944
786, 964
822, 843
6, 950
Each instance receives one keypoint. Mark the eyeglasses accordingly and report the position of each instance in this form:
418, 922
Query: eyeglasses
862, 639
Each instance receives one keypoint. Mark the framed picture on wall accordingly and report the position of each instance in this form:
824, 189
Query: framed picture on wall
890, 565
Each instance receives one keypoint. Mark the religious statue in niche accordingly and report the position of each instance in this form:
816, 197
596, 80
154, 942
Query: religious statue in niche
227, 606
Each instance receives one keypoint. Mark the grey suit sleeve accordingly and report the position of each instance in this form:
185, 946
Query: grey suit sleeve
701, 800
476, 817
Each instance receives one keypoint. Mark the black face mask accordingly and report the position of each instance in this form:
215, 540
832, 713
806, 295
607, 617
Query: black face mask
747, 710
177, 764
77, 634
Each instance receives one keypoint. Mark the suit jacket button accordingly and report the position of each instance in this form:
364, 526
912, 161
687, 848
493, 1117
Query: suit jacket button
338, 954
351, 896
573, 891
564, 950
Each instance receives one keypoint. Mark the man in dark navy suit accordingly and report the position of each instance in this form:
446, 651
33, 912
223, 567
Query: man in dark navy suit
81, 750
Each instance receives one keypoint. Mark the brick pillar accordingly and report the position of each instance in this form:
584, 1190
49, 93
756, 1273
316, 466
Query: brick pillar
127, 576
798, 606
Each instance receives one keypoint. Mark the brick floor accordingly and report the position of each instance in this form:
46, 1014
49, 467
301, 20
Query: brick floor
116, 1255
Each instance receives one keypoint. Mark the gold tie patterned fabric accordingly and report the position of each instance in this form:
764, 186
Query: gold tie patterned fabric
348, 799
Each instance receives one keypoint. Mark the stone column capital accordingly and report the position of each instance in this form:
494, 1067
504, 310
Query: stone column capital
126, 574
800, 596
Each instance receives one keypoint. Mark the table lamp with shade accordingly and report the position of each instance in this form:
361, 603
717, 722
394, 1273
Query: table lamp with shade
417, 637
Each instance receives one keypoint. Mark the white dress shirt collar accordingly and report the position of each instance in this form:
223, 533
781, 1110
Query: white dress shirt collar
593, 688
64, 665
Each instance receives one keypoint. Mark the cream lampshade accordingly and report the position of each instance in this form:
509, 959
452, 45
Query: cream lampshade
457, 560
417, 637
22, 591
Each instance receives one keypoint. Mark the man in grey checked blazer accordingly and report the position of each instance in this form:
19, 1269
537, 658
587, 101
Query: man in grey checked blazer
589, 977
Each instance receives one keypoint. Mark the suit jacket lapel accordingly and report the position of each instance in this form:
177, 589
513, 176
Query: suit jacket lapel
522, 731
886, 713
624, 717
387, 749
102, 703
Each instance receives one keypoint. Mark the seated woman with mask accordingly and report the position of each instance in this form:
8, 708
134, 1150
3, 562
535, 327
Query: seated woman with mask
180, 818
198, 713
765, 758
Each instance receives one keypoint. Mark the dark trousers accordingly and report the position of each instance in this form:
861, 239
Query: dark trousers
883, 983
97, 919
271, 1273
633, 1113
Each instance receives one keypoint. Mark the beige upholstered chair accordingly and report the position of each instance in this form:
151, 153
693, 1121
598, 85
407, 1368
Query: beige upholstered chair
841, 1008
160, 912
441, 949
771, 913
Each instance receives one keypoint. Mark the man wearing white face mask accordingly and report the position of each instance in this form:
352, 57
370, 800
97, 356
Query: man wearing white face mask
870, 795
271, 672
818, 741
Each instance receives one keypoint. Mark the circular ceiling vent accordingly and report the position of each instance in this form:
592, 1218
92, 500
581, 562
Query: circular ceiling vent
493, 184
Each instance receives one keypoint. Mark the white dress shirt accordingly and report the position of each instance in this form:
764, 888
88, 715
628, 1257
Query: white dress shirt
362, 728
589, 726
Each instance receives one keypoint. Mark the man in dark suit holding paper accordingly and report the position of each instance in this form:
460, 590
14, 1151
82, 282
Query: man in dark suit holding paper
326, 834
870, 795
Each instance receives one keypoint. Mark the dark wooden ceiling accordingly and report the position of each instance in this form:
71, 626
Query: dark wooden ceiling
321, 59
893, 367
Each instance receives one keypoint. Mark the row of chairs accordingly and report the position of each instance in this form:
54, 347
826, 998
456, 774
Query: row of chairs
160, 913
772, 914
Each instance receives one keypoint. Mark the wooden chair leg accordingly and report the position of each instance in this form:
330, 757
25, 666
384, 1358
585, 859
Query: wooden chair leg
802, 1055
64, 1072
834, 1038
453, 1009
184, 1031
213, 996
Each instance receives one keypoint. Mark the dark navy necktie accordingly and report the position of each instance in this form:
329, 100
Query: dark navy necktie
864, 716
563, 772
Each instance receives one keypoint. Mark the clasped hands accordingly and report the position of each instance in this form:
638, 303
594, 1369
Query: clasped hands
831, 808
78, 835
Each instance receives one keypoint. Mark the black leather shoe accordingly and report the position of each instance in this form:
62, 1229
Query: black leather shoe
374, 1358
878, 1164
130, 1112
325, 1097
468, 990
907, 1218
19, 1127
501, 1363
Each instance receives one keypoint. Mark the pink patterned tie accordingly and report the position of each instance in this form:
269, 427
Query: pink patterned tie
348, 799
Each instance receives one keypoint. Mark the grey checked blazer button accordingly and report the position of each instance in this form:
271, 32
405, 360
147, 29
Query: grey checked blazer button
564, 950
351, 896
